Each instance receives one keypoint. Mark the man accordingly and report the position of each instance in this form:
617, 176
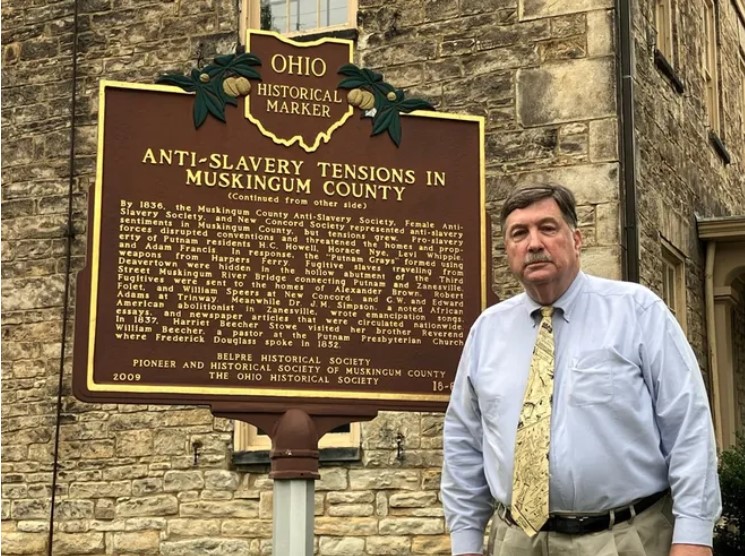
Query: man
600, 443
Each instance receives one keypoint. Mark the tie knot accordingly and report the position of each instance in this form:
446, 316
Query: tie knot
546, 312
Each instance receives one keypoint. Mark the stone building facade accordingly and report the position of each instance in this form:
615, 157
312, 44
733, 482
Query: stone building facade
549, 79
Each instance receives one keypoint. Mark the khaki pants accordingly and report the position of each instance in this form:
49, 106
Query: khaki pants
648, 534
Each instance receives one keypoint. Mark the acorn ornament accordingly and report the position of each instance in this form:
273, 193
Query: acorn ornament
364, 100
236, 86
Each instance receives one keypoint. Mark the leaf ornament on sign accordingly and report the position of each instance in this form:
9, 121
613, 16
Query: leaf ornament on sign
217, 84
370, 93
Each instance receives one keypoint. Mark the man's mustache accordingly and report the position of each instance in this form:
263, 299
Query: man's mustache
538, 257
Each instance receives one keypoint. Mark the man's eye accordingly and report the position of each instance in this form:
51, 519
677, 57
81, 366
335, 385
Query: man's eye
549, 228
517, 234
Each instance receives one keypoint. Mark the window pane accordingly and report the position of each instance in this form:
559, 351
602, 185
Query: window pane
296, 16
303, 15
273, 16
333, 12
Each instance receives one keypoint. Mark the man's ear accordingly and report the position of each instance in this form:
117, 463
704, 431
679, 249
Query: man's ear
577, 239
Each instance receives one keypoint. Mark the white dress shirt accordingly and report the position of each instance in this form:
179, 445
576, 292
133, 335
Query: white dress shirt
630, 415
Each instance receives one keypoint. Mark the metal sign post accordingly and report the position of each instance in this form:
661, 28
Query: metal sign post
294, 470
292, 533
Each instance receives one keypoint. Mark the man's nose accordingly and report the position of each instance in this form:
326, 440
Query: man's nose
534, 241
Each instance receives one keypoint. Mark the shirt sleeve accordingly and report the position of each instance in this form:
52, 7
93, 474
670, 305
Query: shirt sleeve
684, 421
466, 497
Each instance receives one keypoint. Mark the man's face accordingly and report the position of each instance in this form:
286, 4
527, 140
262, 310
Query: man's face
542, 250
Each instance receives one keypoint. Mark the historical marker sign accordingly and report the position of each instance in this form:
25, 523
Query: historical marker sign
285, 254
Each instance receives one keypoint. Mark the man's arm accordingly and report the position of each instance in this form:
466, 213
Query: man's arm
684, 421
690, 550
465, 493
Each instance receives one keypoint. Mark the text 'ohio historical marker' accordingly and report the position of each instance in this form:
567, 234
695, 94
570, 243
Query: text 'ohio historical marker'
318, 244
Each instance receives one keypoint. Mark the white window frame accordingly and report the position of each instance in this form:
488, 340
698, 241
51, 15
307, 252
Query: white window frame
663, 22
246, 438
674, 292
251, 18
710, 66
742, 110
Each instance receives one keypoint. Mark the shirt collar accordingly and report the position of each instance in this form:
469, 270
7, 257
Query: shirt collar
565, 303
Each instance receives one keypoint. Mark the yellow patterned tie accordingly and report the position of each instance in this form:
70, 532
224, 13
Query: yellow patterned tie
530, 479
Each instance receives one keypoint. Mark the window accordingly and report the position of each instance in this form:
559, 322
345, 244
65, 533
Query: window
247, 438
295, 17
673, 282
742, 111
663, 23
710, 69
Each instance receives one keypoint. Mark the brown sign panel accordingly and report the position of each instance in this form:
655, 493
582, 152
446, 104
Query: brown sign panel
284, 255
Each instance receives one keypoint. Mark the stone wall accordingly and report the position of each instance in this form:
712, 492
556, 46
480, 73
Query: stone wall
681, 175
541, 74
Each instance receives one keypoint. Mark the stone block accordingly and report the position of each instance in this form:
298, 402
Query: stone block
381, 504
412, 500
604, 140
78, 543
104, 509
435, 544
140, 542
170, 442
36, 526
569, 25
569, 48
31, 293
607, 224
266, 505
252, 528
143, 487
229, 508
24, 543
488, 87
332, 478
411, 526
187, 496
388, 545
457, 47
182, 480
101, 489
335, 546
350, 497
526, 144
147, 506
30, 509
119, 472
600, 30
94, 449
194, 527
135, 443
383, 479
215, 495
14, 490
602, 261
591, 183
221, 480
74, 509
351, 510
213, 547
567, 91
532, 9
346, 526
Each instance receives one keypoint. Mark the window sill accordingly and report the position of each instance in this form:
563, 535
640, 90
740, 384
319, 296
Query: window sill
719, 147
349, 33
260, 458
668, 71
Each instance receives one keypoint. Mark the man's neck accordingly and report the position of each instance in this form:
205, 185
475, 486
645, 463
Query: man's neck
547, 294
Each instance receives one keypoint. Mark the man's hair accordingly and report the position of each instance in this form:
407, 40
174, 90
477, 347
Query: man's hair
526, 196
